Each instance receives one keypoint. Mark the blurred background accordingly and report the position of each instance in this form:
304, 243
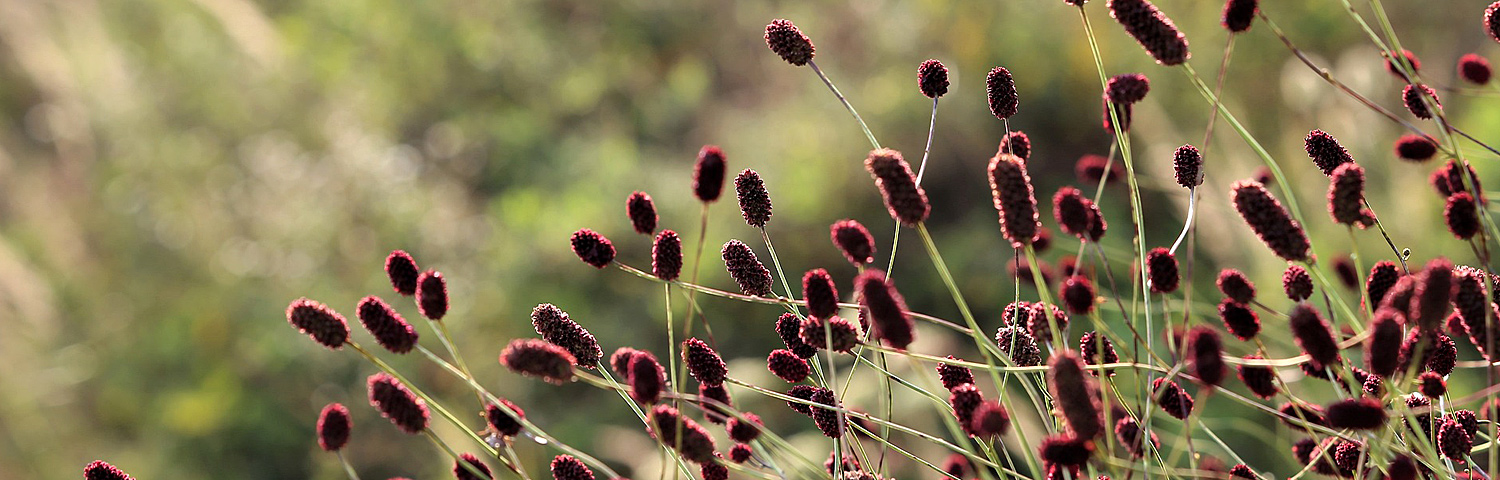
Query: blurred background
174, 173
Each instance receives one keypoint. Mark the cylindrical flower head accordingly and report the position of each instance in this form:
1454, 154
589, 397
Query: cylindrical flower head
744, 431
746, 269
389, 329
954, 375
1297, 283
1096, 349
789, 328
333, 427
1002, 92
1127, 88
1187, 163
990, 420
1415, 148
1236, 286
1313, 335
1091, 168
1433, 295
695, 444
1453, 441
1161, 268
1078, 294
1043, 318
1065, 451
1492, 21
1346, 196
462, 472
905, 200
789, 43
854, 241
1016, 143
642, 213
1270, 221
1325, 151
956, 464
1412, 96
1356, 414
712, 411
1133, 437
887, 311
829, 421
1382, 277
703, 362
965, 399
1298, 412
1238, 14
101, 470
845, 334
1010, 186
788, 366
1205, 358
1466, 419
821, 296
566, 467
397, 404
708, 174
755, 203
1468, 296
1075, 213
1260, 379
1462, 215
1075, 394
1406, 56
1343, 268
537, 358
647, 378
740, 453
1450, 179
666, 256
1122, 112
1152, 29
556, 328
1019, 345
1239, 319
324, 325
801, 392
1432, 385
403, 272
592, 248
1172, 398
932, 78
620, 361
1474, 69
501, 422
1382, 347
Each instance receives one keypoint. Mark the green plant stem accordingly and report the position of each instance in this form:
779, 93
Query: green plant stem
348, 469
875, 144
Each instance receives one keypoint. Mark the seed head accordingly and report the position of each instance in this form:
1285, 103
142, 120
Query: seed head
1412, 96
101, 470
1382, 277
845, 334
1188, 165
1384, 344
1078, 294
829, 421
711, 411
647, 378
746, 269
990, 420
1270, 221
1346, 196
324, 325
1090, 168
695, 444
1236, 286
1474, 69
1127, 88
537, 358
789, 43
1014, 198
1152, 29
1041, 319
397, 404
1019, 345
1238, 14
403, 272
965, 399
932, 78
1133, 437
1453, 441
744, 431
565, 467
333, 427
887, 311
1260, 379
905, 200
787, 365
1017, 143
1415, 148
1239, 319
801, 392
556, 328
501, 422
954, 375
1161, 267
1296, 283
642, 213
1325, 151
1409, 58
1065, 451
708, 173
740, 453
1002, 92
821, 296
854, 241
1097, 349
703, 362
1075, 394
755, 203
389, 329
1076, 214
1462, 215
790, 330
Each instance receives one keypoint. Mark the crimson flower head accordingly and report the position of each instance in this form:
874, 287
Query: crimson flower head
1016, 143
1325, 151
1410, 60
1239, 319
1412, 96
556, 328
887, 310
1297, 283
592, 248
1346, 196
746, 270
647, 378
1356, 414
819, 292
1492, 20
932, 78
324, 325
666, 256
1205, 355
1474, 69
1152, 29
755, 202
703, 362
1076, 394
1236, 286
787, 365
905, 200
1260, 379
1462, 215
789, 43
537, 358
1314, 335
854, 241
708, 174
1078, 294
954, 375
1415, 148
390, 330
1002, 93
1127, 88
503, 423
101, 470
1187, 163
1161, 268
402, 270
1238, 14
1014, 198
642, 213
567, 467
462, 472
333, 427
1270, 221
397, 404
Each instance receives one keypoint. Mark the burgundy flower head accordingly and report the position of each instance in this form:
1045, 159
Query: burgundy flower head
1346, 196
711, 411
1474, 69
1078, 294
1433, 295
1042, 318
1238, 14
954, 375
1239, 319
389, 329
1161, 267
556, 328
708, 174
1356, 414
801, 392
1343, 268
566, 467
1065, 451
324, 325
462, 472
503, 423
1017, 143
755, 202
333, 427
1133, 437
854, 241
905, 200
819, 292
1298, 412
990, 419
1406, 56
1431, 384
1412, 97
1492, 20
1415, 148
746, 269
714, 470
1075, 394
1382, 277
1450, 179
744, 431
1260, 379
1236, 286
101, 470
1187, 163
694, 442
1296, 283
1122, 112
1462, 215
1152, 29
1172, 398
932, 78
703, 362
592, 248
620, 361
1076, 214
642, 213
740, 453
789, 328
1127, 88
814, 332
537, 358
1270, 221
965, 399
1325, 151
647, 378
787, 365
1002, 93
1205, 355
666, 256
1313, 335
789, 43
1384, 344
1091, 168
829, 421
397, 404
1010, 186
887, 310
1453, 441
1019, 345
403, 272
1097, 349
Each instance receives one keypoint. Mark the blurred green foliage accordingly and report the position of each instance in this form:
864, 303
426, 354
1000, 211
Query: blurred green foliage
173, 173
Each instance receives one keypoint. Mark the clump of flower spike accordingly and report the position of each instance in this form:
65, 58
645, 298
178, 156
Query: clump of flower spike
397, 403
593, 248
887, 310
708, 174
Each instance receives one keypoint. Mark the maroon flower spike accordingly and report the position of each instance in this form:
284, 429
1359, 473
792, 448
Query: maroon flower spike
821, 296
1205, 355
101, 470
397, 404
389, 329
1453, 441
1462, 215
787, 365
746, 269
1187, 163
695, 444
324, 325
1296, 283
1017, 143
854, 241
1415, 148
1014, 198
814, 333
886, 308
956, 464
1075, 394
1382, 277
801, 392
1346, 196
1236, 286
1303, 450
740, 453
1161, 267
703, 362
932, 78
744, 431
503, 423
755, 203
1041, 320
333, 427
556, 328
1090, 168
464, 473
403, 272
965, 399
666, 256
1076, 214
1002, 92
1411, 62
789, 327
1298, 413
647, 378
537, 358
1450, 179
1239, 319
713, 470
1260, 379
1492, 20
829, 421
566, 467
1466, 419
1344, 269
1019, 345
1238, 14
1270, 221
593, 248
1065, 451
1433, 295
1152, 29
1431, 384
708, 174
905, 200
1127, 88
954, 375
990, 420
1122, 111
1096, 349
713, 412
1133, 438
1474, 69
1468, 296
642, 213
1356, 414
1313, 335
1078, 294
1384, 344
1172, 398
1412, 96
1325, 151
789, 43
620, 361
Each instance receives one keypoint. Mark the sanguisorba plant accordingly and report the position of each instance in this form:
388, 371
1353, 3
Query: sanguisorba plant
1107, 389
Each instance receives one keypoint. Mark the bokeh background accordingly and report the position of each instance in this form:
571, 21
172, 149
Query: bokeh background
174, 173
